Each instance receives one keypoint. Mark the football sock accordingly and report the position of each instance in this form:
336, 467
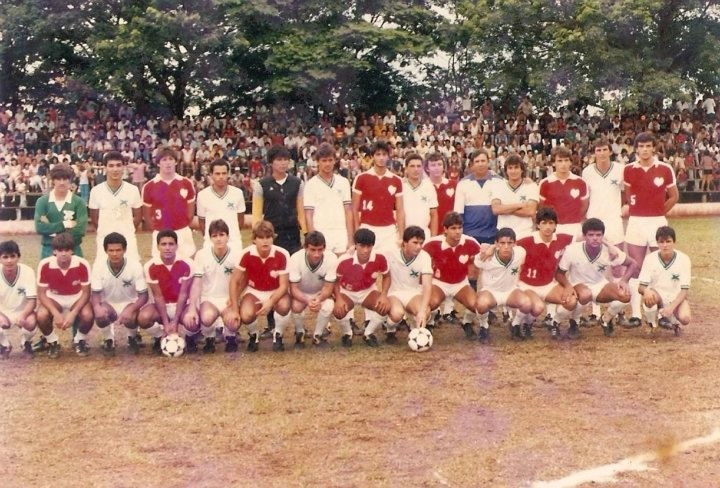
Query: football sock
3, 338
391, 326
375, 322
27, 335
577, 312
207, 331
561, 314
281, 322
651, 315
518, 318
52, 337
635, 298
613, 309
107, 332
297, 319
79, 336
596, 309
156, 330
252, 327
468, 317
483, 319
323, 319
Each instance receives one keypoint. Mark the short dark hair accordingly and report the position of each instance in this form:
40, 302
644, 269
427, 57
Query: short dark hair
644, 137
412, 232
435, 156
365, 237
514, 159
326, 150
63, 241
601, 142
664, 232
219, 162
380, 146
315, 238
167, 151
452, 218
277, 152
9, 248
478, 152
593, 224
545, 213
263, 229
218, 226
560, 152
411, 156
113, 156
505, 232
62, 171
114, 238
166, 233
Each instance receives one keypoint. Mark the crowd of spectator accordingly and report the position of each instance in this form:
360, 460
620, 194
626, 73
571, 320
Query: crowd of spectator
688, 138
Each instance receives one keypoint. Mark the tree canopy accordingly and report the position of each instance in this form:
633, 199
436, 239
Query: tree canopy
219, 55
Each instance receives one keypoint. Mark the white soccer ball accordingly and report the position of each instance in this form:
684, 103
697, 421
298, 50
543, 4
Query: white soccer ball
420, 339
172, 345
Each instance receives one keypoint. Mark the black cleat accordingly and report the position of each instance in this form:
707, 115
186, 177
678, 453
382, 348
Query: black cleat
191, 346
573, 331
231, 344
527, 331
108, 348
252, 343
555, 331
593, 320
326, 332
321, 342
548, 322
632, 323
391, 338
356, 330
209, 346
53, 349
299, 340
133, 344
665, 323
371, 340
346, 340
5, 351
492, 318
516, 333
469, 332
451, 318
278, 345
267, 333
81, 348
484, 335
157, 346
41, 345
677, 329
28, 349
140, 340
607, 328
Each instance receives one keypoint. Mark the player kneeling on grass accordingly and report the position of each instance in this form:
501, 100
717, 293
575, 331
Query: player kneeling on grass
261, 281
208, 305
356, 284
312, 281
499, 278
64, 295
410, 281
664, 283
584, 266
169, 278
18, 297
118, 292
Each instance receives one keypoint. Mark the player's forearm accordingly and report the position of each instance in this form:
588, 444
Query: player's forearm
527, 210
134, 307
82, 300
385, 284
681, 297
46, 302
309, 222
96, 299
29, 307
297, 294
561, 278
505, 208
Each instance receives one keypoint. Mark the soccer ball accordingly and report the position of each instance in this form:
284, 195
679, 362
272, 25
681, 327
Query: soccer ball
420, 339
172, 345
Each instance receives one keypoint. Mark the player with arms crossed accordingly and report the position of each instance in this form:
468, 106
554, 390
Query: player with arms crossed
356, 284
169, 278
499, 278
328, 203
18, 297
221, 201
118, 291
312, 282
514, 200
63, 285
210, 289
584, 266
650, 192
665, 282
260, 279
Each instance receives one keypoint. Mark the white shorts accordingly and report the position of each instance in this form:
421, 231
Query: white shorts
595, 288
405, 295
451, 289
501, 297
574, 230
385, 237
541, 291
641, 230
614, 231
12, 315
359, 296
262, 296
118, 306
219, 302
336, 241
186, 245
65, 301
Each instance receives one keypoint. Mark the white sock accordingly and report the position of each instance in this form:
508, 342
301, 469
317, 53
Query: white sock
52, 337
518, 318
468, 317
27, 335
280, 323
651, 315
375, 322
483, 319
252, 327
3, 338
561, 314
635, 298
156, 330
107, 332
577, 313
207, 330
79, 336
132, 332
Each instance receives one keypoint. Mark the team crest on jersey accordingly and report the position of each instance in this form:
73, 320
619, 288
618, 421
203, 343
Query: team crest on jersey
675, 277
615, 182
231, 205
450, 192
375, 275
514, 271
658, 181
602, 267
76, 283
227, 270
273, 273
424, 198
22, 291
127, 283
523, 198
124, 203
68, 214
463, 258
183, 192
574, 193
392, 189
414, 273
558, 254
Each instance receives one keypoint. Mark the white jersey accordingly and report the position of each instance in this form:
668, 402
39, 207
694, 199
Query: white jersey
312, 279
13, 295
500, 189
212, 206
327, 200
215, 271
115, 214
121, 287
417, 202
605, 191
497, 276
581, 268
666, 278
405, 274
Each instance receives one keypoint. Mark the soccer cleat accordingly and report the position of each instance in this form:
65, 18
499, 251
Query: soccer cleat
527, 330
53, 349
231, 344
469, 332
346, 340
278, 345
593, 320
677, 329
41, 345
484, 335
391, 338
108, 347
191, 346
515, 332
157, 347
209, 346
133, 344
356, 330
320, 341
140, 340
451, 318
219, 334
573, 331
326, 332
555, 331
403, 325
548, 322
81, 348
371, 340
252, 343
28, 349
607, 327
492, 318
299, 340
267, 333
632, 323
5, 351
665, 323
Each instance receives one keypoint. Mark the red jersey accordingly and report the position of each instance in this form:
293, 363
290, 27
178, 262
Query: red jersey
564, 197
646, 188
378, 193
264, 274
354, 276
542, 258
168, 278
169, 202
450, 264
63, 282
446, 197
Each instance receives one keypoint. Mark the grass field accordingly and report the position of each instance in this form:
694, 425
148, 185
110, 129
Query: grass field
461, 415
